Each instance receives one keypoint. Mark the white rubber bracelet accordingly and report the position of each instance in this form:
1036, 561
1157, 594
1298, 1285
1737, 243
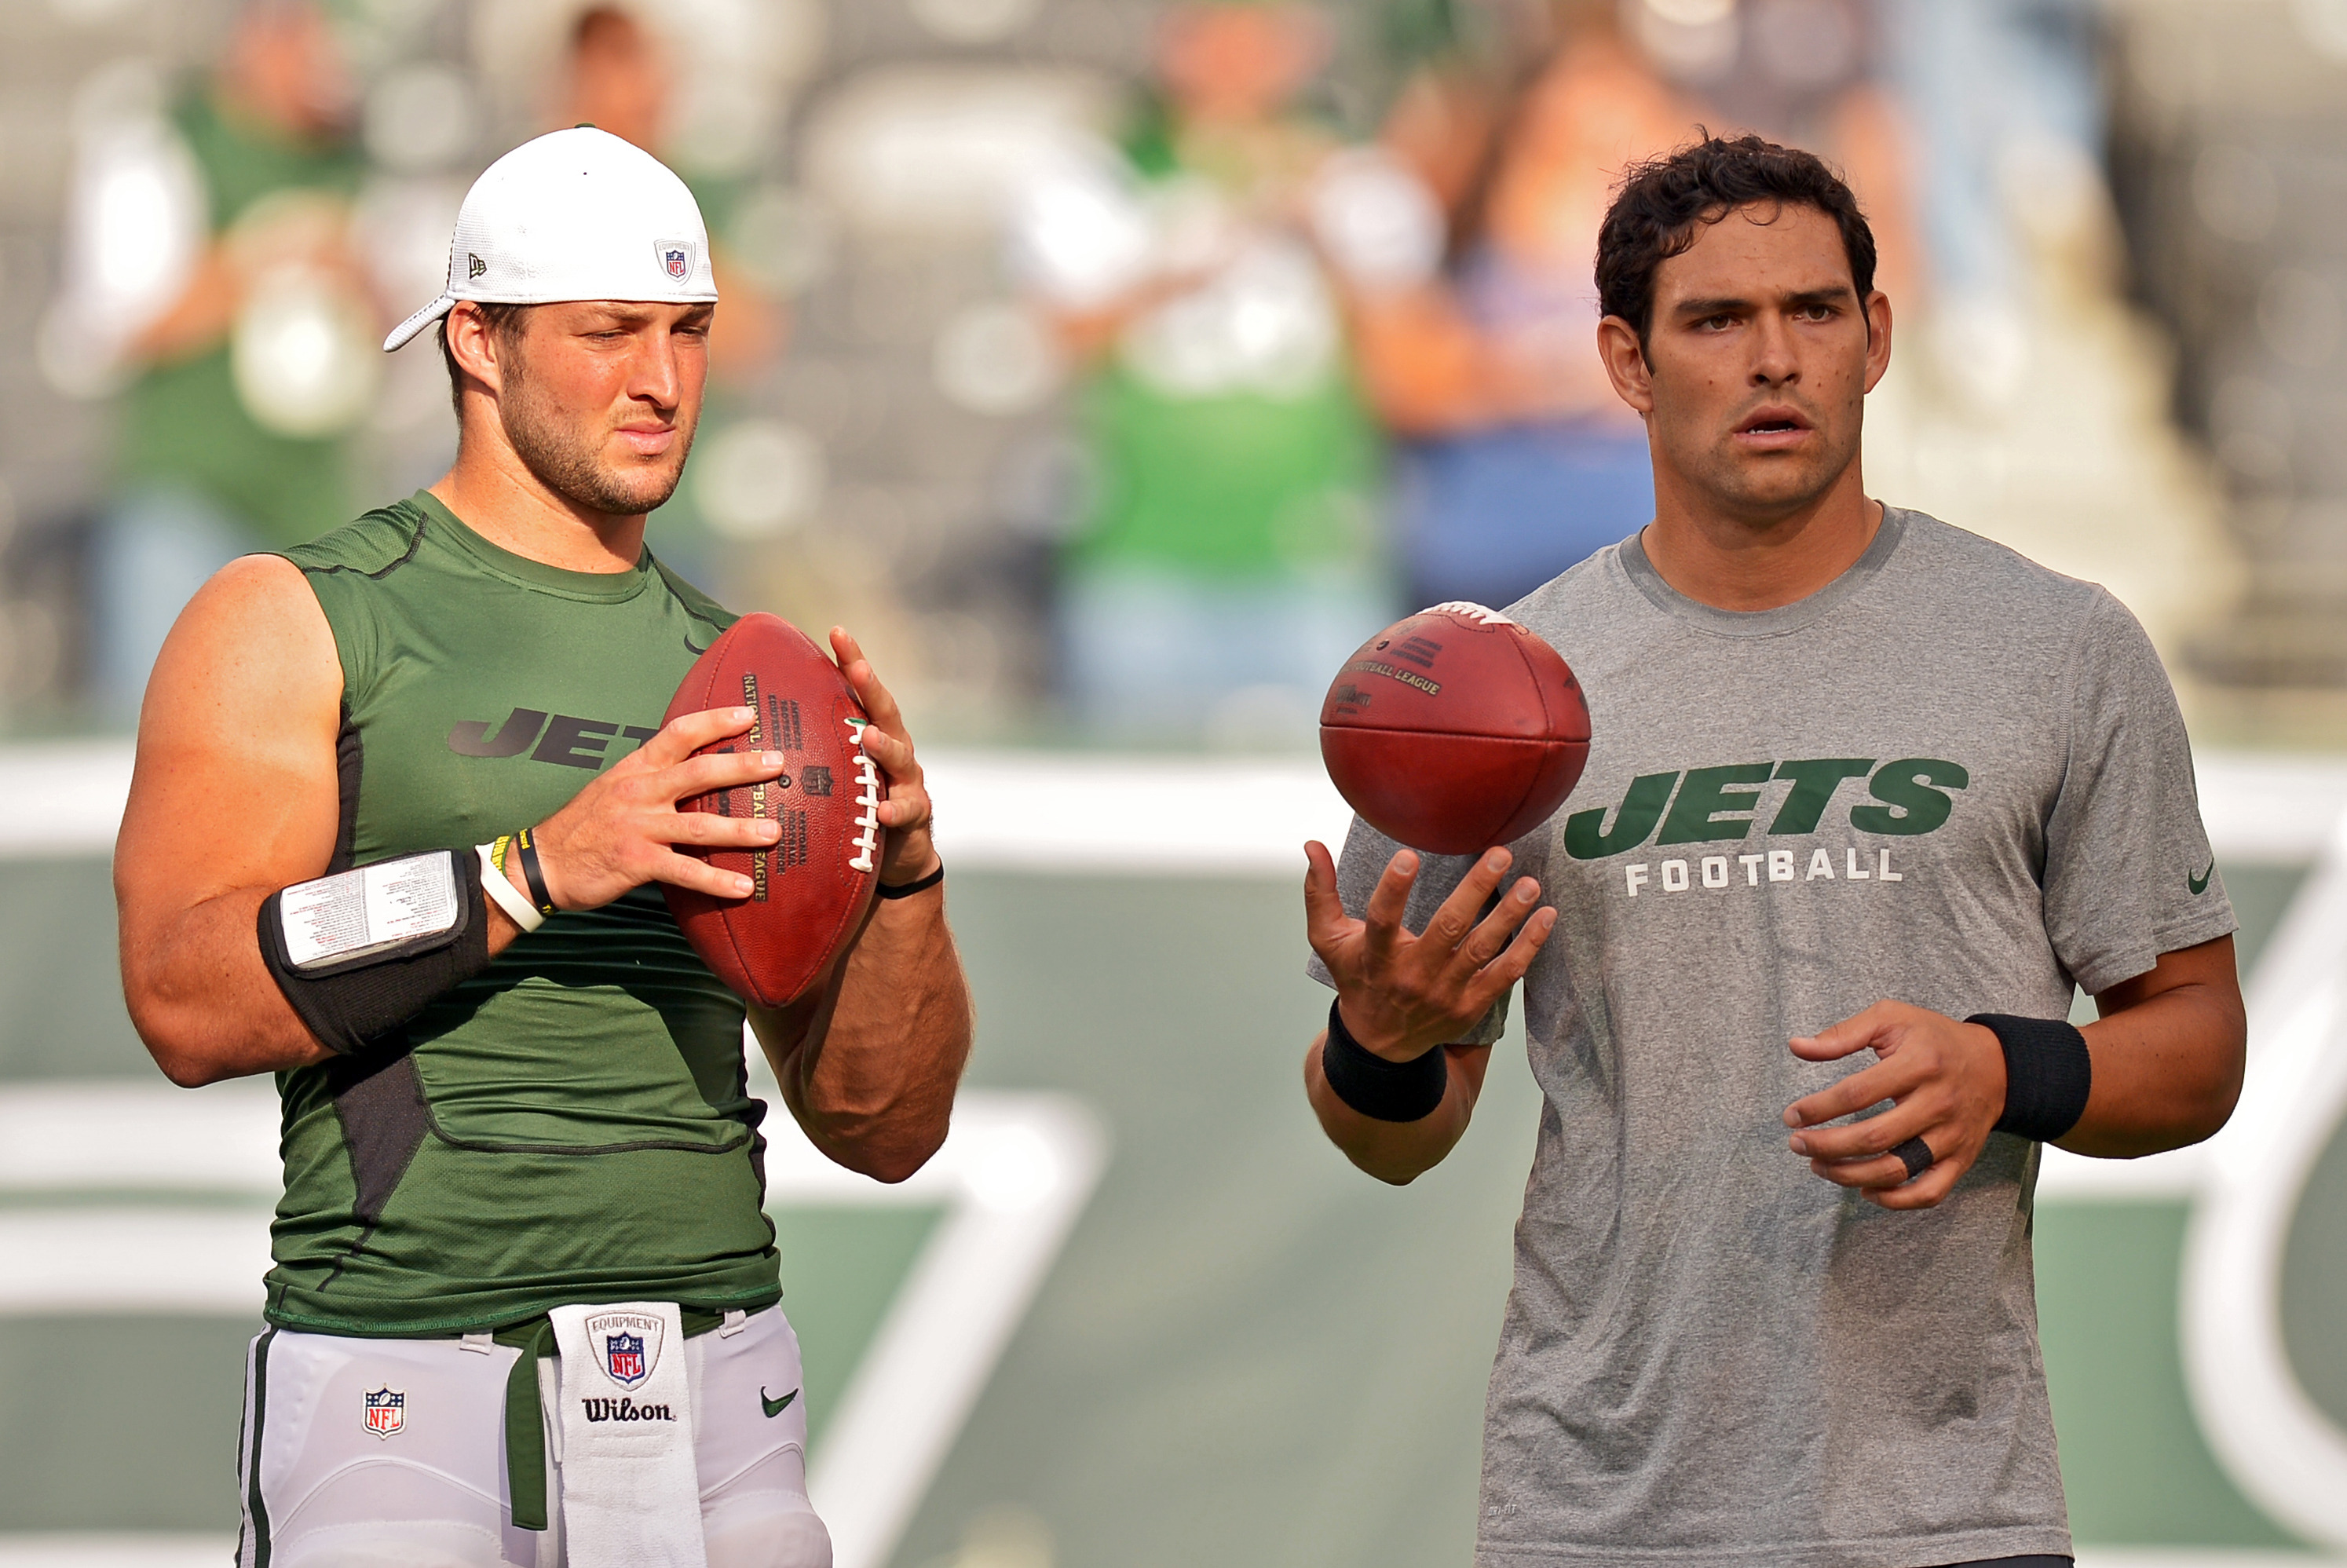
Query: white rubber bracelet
499, 886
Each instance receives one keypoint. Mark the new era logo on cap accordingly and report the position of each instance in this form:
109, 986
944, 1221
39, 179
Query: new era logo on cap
474, 265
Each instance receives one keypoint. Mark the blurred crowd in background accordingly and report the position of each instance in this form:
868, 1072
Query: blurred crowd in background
1113, 367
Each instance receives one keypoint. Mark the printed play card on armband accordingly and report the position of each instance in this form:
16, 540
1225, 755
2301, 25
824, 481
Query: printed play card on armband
410, 905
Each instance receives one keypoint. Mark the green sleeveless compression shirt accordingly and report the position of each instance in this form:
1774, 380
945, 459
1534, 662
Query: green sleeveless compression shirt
574, 1125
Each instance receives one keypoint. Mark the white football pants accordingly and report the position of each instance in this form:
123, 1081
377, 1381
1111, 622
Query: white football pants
322, 1486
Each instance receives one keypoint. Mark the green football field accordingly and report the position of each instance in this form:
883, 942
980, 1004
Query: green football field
1240, 1352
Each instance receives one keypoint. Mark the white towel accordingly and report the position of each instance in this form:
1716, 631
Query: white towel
631, 1496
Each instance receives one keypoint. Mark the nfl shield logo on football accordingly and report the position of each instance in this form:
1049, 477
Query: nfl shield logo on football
627, 1345
676, 257
386, 1410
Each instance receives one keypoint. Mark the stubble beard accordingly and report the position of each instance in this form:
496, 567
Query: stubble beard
566, 456
1766, 489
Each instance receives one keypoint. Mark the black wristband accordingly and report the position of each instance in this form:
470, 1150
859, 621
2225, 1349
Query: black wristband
917, 885
1381, 1090
364, 1005
2047, 1073
526, 843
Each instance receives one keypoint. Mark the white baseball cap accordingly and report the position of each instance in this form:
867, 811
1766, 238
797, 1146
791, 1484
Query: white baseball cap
573, 215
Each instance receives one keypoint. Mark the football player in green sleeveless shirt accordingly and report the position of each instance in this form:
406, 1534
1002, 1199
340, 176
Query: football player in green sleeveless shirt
489, 1136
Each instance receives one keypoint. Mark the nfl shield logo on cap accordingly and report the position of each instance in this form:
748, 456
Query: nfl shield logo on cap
676, 257
386, 1410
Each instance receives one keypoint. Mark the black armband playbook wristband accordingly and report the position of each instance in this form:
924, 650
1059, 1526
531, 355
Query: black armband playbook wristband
360, 953
1381, 1090
2047, 1073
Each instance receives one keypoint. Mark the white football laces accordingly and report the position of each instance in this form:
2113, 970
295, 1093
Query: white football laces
1479, 613
867, 822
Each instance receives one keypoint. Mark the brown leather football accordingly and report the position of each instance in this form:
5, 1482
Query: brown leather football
1454, 730
811, 888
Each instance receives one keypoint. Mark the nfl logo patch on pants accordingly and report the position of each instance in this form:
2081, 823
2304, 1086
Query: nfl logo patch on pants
387, 1408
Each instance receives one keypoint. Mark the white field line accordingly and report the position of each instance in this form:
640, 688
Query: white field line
2283, 1449
62, 797
133, 1258
2271, 806
1028, 810
139, 1135
2172, 1177
1103, 812
1023, 1179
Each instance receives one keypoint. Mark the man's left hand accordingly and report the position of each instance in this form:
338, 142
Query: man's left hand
1946, 1078
905, 809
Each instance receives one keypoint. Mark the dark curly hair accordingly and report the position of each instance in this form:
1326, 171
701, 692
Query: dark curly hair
1662, 203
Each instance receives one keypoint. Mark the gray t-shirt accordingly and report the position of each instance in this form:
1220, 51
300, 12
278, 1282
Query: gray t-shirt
1950, 778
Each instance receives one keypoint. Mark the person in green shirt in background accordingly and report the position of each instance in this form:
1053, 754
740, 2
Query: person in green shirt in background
208, 268
1230, 557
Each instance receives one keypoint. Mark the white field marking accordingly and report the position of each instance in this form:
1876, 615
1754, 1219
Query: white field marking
139, 1134
2278, 1447
1104, 813
1107, 812
133, 1258
137, 1137
1015, 1172
2269, 807
1023, 1176
1012, 1177
2173, 1177
62, 797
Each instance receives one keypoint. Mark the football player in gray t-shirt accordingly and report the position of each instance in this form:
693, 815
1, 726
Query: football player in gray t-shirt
1868, 796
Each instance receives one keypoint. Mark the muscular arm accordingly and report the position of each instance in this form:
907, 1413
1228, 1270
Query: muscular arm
235, 796
232, 797
868, 1064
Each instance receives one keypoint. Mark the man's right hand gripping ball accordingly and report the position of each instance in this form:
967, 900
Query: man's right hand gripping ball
621, 831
